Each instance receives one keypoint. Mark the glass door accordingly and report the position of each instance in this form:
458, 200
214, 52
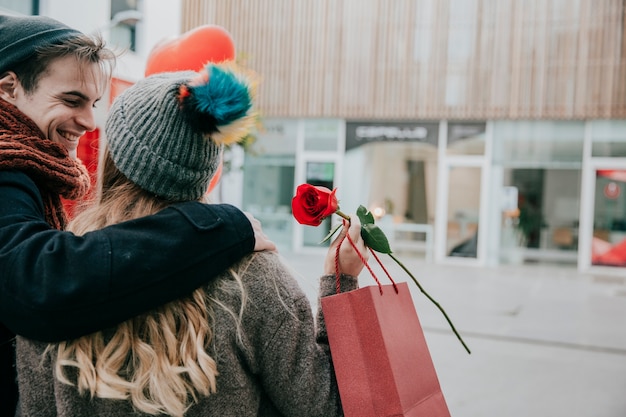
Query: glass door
318, 162
602, 243
608, 244
462, 198
267, 175
605, 238
542, 162
463, 211
543, 225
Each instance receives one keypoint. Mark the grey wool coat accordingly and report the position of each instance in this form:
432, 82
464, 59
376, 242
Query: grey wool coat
281, 367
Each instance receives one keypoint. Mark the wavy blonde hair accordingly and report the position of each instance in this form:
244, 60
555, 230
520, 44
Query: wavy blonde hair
158, 360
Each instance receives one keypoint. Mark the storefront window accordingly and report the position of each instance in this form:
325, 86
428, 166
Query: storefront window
608, 246
321, 135
466, 138
268, 185
542, 161
20, 6
608, 239
608, 138
268, 180
391, 168
122, 32
548, 206
463, 211
546, 143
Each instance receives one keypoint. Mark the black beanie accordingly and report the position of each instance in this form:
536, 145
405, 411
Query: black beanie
21, 35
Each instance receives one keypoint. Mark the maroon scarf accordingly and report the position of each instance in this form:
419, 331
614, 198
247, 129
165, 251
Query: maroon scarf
24, 148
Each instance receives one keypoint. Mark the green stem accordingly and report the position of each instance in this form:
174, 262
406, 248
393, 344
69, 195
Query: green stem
431, 299
342, 214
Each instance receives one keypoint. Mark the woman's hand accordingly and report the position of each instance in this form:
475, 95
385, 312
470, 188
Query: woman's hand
349, 261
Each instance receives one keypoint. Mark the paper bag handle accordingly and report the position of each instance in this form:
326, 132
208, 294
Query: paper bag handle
337, 274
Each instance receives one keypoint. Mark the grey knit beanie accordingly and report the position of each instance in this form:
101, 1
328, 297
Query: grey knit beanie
20, 36
166, 132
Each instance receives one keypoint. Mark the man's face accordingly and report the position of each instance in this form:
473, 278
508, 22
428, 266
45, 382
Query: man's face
62, 104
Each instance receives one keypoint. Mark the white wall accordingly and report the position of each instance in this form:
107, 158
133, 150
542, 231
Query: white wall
161, 20
86, 16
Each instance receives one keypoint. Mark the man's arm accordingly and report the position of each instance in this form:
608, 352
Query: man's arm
56, 286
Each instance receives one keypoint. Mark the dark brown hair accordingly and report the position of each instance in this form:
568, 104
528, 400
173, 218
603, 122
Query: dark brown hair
86, 49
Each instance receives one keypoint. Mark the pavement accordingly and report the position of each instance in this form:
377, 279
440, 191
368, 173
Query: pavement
546, 340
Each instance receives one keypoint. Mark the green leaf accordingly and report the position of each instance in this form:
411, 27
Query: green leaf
331, 233
364, 216
374, 237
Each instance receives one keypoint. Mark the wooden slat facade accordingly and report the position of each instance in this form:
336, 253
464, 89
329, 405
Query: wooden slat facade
429, 59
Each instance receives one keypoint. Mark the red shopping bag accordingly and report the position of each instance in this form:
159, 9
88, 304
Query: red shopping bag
382, 363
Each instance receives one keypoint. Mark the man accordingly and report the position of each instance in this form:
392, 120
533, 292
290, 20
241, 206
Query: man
54, 285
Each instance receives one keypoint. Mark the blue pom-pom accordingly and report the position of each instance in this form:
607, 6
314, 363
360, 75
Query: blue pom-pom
222, 100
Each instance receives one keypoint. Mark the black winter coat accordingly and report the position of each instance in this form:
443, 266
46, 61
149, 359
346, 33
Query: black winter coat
56, 286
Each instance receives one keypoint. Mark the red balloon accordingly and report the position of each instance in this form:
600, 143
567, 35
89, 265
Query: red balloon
191, 50
216, 177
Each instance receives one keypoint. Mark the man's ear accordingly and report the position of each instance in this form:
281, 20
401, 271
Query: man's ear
8, 86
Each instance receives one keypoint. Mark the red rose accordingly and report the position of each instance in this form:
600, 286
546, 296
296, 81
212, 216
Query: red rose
312, 204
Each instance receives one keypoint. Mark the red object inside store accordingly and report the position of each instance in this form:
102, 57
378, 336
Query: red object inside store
88, 153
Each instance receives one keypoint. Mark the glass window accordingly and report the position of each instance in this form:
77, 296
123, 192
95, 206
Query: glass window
463, 210
268, 178
321, 135
122, 31
608, 138
276, 137
545, 216
608, 245
466, 138
542, 160
20, 6
535, 143
320, 173
395, 178
397, 182
267, 191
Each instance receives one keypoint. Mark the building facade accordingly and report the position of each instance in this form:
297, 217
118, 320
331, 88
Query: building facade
478, 131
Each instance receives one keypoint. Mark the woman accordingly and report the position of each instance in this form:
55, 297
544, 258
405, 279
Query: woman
245, 344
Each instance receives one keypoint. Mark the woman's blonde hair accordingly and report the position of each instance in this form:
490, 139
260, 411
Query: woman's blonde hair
158, 360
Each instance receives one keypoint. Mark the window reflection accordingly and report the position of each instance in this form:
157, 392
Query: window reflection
608, 247
463, 210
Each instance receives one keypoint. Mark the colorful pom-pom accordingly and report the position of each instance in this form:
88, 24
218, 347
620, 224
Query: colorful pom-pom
219, 102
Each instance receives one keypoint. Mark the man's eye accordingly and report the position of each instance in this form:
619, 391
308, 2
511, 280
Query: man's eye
72, 103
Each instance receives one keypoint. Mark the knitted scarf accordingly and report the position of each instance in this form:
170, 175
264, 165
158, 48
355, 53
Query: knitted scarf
23, 147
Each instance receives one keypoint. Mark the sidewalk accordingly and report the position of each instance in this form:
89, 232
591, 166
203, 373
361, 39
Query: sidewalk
546, 341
